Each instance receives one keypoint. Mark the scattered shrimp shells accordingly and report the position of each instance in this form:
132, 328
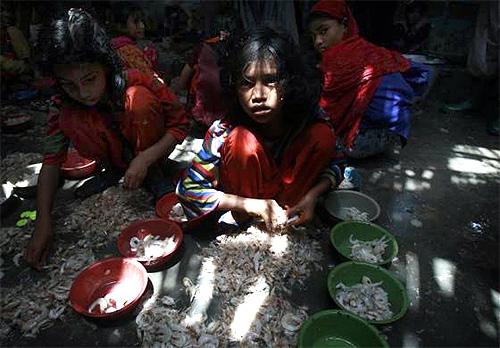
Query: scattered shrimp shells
13, 167
366, 299
241, 271
33, 304
354, 214
371, 251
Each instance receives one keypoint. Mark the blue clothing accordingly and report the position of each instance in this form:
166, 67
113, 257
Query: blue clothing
390, 107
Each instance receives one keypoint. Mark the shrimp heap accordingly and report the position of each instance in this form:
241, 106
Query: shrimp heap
252, 274
366, 299
354, 214
371, 251
152, 247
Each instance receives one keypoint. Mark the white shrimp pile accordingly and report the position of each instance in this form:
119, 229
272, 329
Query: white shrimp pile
36, 302
107, 304
152, 247
250, 274
177, 213
366, 299
354, 214
371, 251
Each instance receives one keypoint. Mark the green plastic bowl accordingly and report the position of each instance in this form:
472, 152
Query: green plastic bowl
365, 231
351, 273
334, 328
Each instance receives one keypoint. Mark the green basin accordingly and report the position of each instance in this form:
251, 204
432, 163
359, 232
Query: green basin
339, 236
351, 273
334, 328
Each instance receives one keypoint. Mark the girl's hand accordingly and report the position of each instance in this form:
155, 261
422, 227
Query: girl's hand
304, 209
270, 211
136, 172
39, 245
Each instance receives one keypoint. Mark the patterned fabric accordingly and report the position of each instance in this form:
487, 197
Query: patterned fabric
352, 72
133, 57
236, 161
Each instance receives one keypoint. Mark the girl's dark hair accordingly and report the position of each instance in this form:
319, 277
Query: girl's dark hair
124, 9
78, 38
299, 79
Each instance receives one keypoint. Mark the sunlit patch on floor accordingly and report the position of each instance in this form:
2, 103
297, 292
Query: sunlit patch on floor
444, 274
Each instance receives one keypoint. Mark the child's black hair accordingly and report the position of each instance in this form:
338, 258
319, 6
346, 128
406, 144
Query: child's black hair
124, 9
78, 38
299, 78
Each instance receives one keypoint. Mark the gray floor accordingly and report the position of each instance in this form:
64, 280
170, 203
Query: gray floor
441, 201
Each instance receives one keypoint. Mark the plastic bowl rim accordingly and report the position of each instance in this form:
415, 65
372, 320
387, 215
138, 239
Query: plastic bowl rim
399, 285
328, 312
122, 310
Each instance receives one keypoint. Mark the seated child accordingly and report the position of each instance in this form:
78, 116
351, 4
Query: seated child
367, 90
128, 121
131, 22
270, 152
14, 51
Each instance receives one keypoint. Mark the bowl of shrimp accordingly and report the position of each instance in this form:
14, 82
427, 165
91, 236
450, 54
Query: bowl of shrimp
346, 205
169, 208
151, 242
109, 288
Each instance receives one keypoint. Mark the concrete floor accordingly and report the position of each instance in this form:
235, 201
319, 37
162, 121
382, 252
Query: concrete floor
441, 201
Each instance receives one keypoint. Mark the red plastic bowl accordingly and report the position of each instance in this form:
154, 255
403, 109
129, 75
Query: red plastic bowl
77, 167
122, 276
164, 206
156, 227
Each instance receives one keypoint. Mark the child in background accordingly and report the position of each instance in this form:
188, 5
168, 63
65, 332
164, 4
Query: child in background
131, 21
14, 50
367, 90
201, 78
128, 121
270, 151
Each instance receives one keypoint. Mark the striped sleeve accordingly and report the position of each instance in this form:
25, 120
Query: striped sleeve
56, 143
197, 189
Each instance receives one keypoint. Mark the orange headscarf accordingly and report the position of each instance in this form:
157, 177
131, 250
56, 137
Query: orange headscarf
352, 72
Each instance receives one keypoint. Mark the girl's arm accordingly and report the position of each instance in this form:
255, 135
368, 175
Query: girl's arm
39, 245
184, 78
329, 178
138, 168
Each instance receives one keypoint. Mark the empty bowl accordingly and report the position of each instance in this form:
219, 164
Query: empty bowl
159, 240
108, 288
334, 328
345, 232
348, 205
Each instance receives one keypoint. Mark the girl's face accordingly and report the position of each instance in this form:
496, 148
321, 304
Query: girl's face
85, 83
135, 26
326, 33
259, 92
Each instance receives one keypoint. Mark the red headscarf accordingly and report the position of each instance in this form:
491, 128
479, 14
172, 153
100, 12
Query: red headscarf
352, 72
